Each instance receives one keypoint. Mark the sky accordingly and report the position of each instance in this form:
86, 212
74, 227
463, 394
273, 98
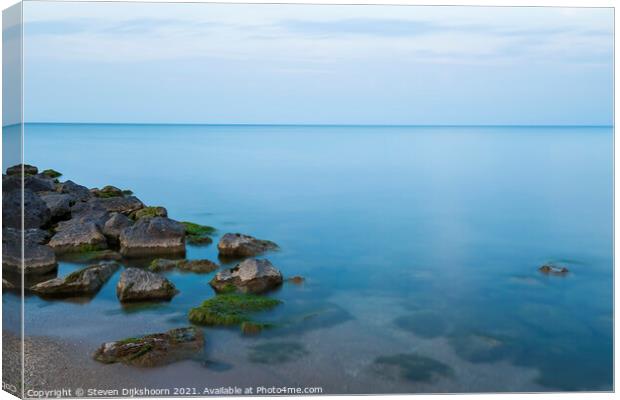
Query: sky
311, 64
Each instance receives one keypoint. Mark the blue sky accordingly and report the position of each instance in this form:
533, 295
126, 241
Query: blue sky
230, 63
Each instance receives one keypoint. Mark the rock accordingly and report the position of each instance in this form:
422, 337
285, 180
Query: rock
230, 309
149, 212
36, 213
153, 350
108, 191
10, 183
198, 234
553, 270
77, 236
38, 258
297, 280
39, 183
114, 226
249, 276
239, 245
86, 281
197, 266
34, 235
123, 205
6, 285
79, 192
162, 264
90, 256
17, 170
140, 285
153, 236
59, 204
50, 173
90, 211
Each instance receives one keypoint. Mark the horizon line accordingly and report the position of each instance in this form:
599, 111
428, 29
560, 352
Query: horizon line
319, 124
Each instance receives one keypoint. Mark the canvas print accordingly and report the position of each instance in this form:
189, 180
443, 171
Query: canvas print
256, 199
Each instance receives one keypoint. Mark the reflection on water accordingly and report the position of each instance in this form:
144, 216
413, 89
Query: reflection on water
420, 248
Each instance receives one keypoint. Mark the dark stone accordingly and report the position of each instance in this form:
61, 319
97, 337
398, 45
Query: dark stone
79, 192
86, 281
17, 170
123, 205
239, 245
38, 258
76, 236
59, 204
549, 269
249, 276
153, 236
36, 213
114, 226
140, 285
153, 350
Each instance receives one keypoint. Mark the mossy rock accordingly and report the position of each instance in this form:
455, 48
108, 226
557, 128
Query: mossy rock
50, 173
96, 255
230, 309
198, 234
147, 212
108, 192
251, 328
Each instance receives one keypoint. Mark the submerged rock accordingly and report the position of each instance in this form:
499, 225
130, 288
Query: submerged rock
38, 258
249, 276
553, 270
198, 234
239, 245
73, 236
277, 352
197, 266
153, 350
153, 236
86, 281
140, 285
296, 280
412, 367
230, 309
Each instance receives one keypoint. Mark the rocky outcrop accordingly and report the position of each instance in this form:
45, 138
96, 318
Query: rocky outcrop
239, 245
140, 285
59, 204
114, 226
84, 282
77, 236
38, 258
78, 192
153, 350
249, 276
153, 236
36, 213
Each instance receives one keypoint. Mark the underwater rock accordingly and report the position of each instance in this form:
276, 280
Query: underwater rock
276, 352
230, 309
78, 192
162, 264
17, 170
411, 367
239, 245
153, 236
59, 204
249, 276
86, 281
296, 280
549, 269
198, 234
140, 285
154, 349
197, 266
74, 236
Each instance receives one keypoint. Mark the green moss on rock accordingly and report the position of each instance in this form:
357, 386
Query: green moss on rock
148, 212
230, 309
198, 234
51, 173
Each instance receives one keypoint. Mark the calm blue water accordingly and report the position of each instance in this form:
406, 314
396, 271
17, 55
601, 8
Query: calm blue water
413, 240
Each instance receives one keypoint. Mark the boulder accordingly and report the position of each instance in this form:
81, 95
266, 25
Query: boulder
59, 204
86, 281
77, 236
39, 183
153, 236
123, 205
78, 192
239, 245
36, 213
90, 211
153, 350
149, 212
250, 276
38, 258
114, 226
17, 170
108, 191
140, 285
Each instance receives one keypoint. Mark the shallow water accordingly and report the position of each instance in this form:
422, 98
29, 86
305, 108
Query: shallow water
420, 248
